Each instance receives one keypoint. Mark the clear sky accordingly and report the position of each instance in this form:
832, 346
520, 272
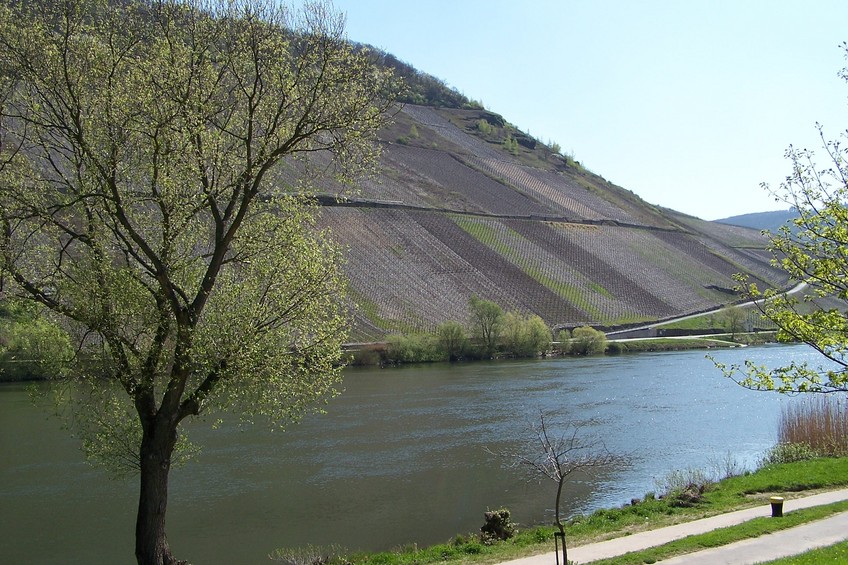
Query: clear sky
690, 103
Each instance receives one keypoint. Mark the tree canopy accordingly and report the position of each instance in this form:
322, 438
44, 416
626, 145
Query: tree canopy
139, 204
486, 323
814, 251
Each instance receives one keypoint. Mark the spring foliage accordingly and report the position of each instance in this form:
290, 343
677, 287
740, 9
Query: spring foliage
136, 196
813, 251
138, 144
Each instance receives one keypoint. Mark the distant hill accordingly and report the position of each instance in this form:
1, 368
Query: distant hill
466, 204
771, 221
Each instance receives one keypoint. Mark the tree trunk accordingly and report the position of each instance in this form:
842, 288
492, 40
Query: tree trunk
151, 544
558, 521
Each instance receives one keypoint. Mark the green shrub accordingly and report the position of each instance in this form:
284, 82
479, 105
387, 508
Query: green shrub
687, 485
563, 342
485, 127
615, 348
788, 453
588, 341
524, 336
415, 348
452, 341
498, 526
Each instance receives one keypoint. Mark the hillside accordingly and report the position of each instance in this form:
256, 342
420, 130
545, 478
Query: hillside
771, 221
467, 205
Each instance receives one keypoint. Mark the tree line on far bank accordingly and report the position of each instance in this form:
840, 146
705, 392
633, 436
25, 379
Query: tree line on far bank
32, 347
490, 333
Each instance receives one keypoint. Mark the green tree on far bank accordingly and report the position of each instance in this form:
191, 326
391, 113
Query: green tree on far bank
524, 336
734, 319
492, 333
486, 324
588, 341
31, 346
453, 340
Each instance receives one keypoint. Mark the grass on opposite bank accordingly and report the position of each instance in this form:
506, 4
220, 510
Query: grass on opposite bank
670, 344
730, 494
693, 342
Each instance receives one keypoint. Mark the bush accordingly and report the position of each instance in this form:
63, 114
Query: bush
416, 348
564, 342
726, 466
588, 341
788, 453
686, 485
615, 348
485, 127
366, 357
453, 343
524, 336
498, 526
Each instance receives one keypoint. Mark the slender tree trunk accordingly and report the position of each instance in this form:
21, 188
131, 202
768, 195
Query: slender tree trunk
151, 544
559, 521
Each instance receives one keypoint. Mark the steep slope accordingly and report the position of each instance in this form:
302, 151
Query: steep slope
467, 205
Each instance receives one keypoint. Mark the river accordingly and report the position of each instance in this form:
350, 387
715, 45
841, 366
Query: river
399, 458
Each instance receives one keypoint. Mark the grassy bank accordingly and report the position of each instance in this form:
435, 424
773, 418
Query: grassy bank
753, 489
668, 344
724, 536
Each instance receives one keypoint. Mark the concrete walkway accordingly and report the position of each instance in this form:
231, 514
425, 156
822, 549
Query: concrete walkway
787, 542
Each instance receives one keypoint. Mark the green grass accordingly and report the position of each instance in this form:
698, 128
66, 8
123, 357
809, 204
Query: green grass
705, 322
730, 494
834, 554
724, 536
676, 344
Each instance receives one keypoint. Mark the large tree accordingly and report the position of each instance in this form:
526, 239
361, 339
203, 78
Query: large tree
813, 250
140, 202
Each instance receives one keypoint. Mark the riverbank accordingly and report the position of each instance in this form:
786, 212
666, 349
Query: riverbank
381, 354
748, 491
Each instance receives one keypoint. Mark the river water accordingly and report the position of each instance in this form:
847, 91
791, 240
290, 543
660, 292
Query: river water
399, 458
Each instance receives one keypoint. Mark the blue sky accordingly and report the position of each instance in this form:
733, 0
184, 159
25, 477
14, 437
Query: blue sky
690, 104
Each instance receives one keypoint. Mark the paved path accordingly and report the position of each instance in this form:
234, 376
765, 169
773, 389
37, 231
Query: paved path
772, 546
792, 541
